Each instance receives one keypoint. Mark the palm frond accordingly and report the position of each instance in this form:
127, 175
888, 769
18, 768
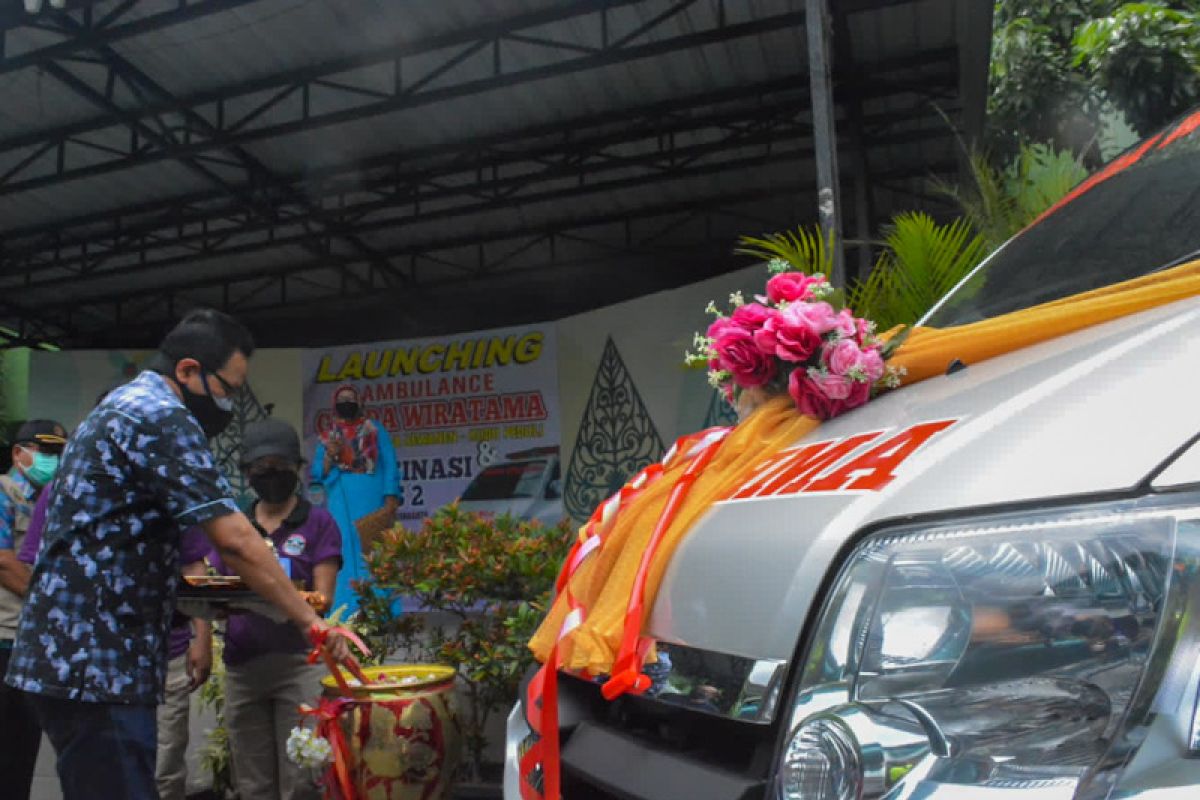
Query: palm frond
920, 262
807, 249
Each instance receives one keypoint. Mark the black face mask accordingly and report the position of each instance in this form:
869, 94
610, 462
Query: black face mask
274, 486
213, 415
347, 410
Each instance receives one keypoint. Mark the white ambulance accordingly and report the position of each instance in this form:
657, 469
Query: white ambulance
1015, 613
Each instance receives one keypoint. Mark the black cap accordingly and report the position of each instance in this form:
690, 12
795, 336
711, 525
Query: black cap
41, 432
270, 437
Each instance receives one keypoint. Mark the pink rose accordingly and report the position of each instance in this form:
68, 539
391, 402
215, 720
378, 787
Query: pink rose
792, 286
841, 356
846, 324
845, 355
718, 326
819, 316
825, 396
809, 398
835, 387
738, 353
872, 363
863, 329
752, 316
794, 333
860, 393
788, 335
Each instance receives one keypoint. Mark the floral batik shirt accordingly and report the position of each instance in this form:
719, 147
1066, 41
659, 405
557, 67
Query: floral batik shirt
95, 624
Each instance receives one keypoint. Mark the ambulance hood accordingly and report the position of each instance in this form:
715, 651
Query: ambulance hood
1090, 413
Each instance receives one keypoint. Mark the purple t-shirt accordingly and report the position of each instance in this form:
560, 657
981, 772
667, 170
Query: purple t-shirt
193, 547
309, 536
37, 521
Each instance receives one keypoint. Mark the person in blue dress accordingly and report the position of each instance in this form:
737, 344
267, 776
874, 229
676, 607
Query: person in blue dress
355, 467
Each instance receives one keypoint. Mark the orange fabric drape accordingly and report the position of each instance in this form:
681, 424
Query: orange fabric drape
603, 583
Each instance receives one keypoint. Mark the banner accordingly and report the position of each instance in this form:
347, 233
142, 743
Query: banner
472, 416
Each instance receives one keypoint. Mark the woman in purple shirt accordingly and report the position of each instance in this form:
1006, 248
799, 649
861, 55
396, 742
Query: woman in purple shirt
267, 673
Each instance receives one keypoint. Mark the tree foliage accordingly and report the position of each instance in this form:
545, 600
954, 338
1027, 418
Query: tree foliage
493, 576
1062, 70
999, 202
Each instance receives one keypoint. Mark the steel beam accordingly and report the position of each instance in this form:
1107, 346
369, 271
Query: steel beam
434, 85
479, 167
824, 113
852, 83
470, 239
778, 143
148, 90
94, 28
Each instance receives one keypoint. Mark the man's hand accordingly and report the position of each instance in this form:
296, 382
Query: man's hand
199, 662
14, 574
243, 550
328, 462
334, 642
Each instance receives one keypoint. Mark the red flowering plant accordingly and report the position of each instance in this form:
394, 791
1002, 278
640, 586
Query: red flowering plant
484, 582
797, 338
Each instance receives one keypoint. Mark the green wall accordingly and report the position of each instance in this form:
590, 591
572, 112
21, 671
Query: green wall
14, 384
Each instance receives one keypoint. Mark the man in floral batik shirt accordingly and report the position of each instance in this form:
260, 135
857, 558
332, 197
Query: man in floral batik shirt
91, 648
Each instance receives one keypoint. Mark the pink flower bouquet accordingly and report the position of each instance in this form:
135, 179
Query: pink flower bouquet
793, 339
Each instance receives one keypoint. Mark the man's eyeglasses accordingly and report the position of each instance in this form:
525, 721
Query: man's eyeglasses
230, 389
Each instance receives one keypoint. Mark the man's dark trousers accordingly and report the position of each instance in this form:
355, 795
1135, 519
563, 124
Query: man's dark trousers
19, 735
106, 751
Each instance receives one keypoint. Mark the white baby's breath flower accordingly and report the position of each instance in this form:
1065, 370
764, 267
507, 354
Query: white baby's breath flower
711, 308
306, 749
892, 375
821, 290
716, 377
737, 300
777, 265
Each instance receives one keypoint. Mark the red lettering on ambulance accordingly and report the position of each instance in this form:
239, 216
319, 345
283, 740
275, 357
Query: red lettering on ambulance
796, 479
876, 468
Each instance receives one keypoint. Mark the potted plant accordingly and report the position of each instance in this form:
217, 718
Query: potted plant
491, 577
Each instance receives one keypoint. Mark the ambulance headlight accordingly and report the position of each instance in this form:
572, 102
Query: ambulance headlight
1010, 652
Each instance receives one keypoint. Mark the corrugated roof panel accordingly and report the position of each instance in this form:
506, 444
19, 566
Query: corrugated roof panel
273, 35
269, 37
158, 181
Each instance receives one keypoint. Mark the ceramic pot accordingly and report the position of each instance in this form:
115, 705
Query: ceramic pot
402, 733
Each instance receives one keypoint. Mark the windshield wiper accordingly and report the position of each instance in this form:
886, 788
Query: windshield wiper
1192, 256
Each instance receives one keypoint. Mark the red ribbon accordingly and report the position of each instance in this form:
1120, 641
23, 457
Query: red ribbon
318, 636
541, 700
337, 778
627, 666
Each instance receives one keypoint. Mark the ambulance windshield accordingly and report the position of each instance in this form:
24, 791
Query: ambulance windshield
1137, 215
